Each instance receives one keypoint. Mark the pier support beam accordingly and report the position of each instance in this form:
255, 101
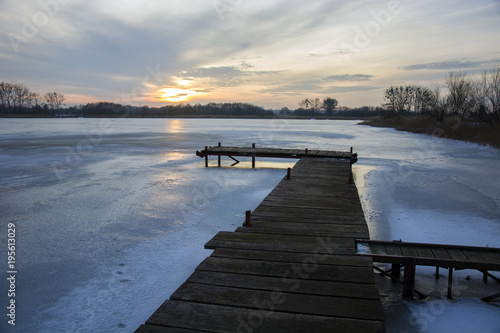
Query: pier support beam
450, 282
206, 157
409, 278
218, 159
396, 270
253, 157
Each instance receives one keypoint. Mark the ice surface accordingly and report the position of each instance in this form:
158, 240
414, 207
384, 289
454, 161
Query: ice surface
363, 248
112, 214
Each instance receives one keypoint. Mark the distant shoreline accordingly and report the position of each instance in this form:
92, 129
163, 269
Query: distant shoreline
34, 116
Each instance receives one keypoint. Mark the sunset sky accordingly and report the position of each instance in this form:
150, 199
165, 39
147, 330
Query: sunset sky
271, 53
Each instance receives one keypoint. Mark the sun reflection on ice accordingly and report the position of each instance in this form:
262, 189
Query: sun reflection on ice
175, 126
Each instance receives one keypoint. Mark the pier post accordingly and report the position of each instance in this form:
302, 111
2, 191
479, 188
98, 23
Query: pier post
396, 271
248, 216
351, 177
206, 156
409, 278
218, 160
450, 282
253, 157
288, 173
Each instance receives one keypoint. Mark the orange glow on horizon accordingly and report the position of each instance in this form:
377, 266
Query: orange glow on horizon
175, 95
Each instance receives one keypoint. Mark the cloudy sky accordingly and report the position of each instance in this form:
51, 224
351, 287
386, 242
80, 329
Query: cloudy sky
272, 53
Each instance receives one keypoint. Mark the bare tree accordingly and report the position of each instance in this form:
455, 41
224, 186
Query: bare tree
37, 102
490, 88
21, 97
463, 94
5, 97
311, 104
438, 104
305, 104
423, 99
397, 98
55, 101
14, 98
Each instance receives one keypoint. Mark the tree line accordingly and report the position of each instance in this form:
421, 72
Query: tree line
471, 99
474, 100
211, 109
19, 99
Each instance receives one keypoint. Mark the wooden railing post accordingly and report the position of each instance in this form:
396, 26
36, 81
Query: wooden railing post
253, 157
248, 216
218, 159
206, 156
351, 177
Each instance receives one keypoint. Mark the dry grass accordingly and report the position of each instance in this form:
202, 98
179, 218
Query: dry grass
452, 128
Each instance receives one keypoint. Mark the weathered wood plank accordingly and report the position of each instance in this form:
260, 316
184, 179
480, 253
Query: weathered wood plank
356, 220
456, 254
284, 302
163, 329
308, 248
325, 259
310, 213
307, 269
409, 251
378, 249
309, 225
424, 252
393, 249
225, 319
303, 232
282, 239
473, 255
440, 253
489, 256
286, 284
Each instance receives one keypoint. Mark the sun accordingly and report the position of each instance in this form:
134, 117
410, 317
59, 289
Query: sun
175, 95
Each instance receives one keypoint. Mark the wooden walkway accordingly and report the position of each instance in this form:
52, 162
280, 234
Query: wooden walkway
409, 255
254, 152
295, 269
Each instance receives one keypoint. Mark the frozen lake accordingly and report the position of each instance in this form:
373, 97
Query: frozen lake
111, 215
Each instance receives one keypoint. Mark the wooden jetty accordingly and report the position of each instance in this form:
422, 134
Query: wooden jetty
294, 267
452, 257
254, 152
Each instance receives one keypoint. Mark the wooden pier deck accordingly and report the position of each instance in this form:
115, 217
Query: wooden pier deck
295, 269
452, 257
254, 152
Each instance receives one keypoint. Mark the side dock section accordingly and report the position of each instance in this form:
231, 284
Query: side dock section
293, 269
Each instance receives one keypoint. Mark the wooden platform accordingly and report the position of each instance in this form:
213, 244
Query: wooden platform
254, 152
295, 269
409, 255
